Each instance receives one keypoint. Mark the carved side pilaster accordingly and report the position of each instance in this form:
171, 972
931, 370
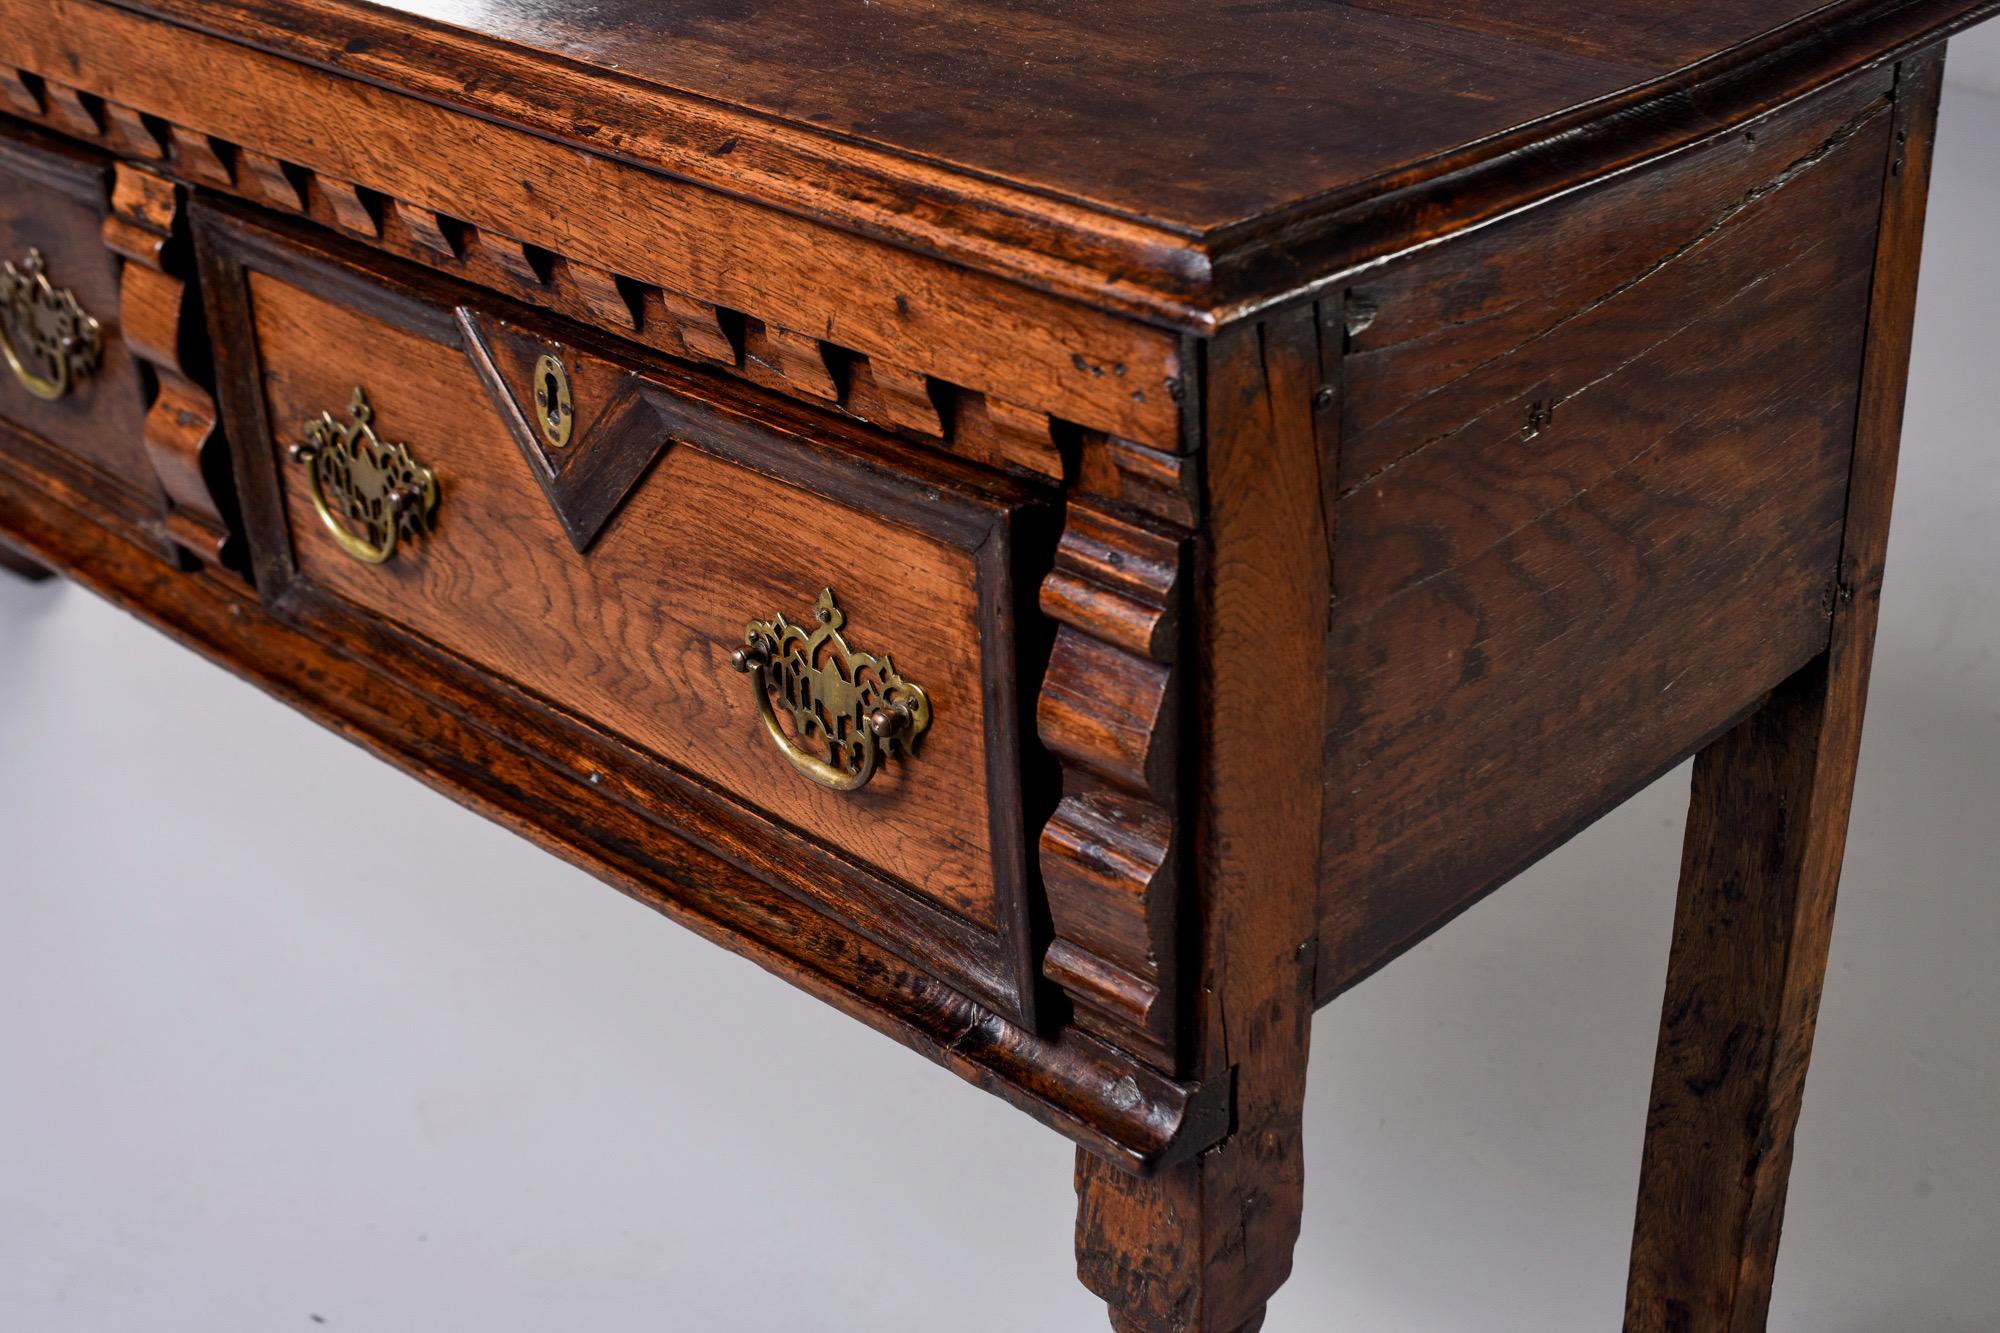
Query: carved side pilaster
1109, 710
153, 309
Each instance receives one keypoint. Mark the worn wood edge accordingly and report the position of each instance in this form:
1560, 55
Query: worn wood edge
1060, 243
1063, 355
1194, 281
1339, 236
1336, 981
1106, 1102
1204, 1246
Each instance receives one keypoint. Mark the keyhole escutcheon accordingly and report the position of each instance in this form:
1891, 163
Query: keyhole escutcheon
553, 408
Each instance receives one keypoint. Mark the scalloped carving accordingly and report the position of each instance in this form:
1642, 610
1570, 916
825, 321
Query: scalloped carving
153, 308
1109, 711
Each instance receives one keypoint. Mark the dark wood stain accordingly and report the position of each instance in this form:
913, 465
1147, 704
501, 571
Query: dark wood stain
1767, 830
1317, 455
1620, 507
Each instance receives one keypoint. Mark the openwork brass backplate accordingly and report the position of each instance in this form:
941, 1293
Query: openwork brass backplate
849, 710
50, 341
370, 495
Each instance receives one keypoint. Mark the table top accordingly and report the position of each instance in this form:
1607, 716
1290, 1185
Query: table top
1225, 135
1186, 113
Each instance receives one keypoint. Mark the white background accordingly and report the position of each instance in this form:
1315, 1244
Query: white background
426, 1078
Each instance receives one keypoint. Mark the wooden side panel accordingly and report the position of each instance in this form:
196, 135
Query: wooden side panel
1586, 523
1444, 341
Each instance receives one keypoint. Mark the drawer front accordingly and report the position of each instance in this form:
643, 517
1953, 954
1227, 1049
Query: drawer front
605, 534
68, 379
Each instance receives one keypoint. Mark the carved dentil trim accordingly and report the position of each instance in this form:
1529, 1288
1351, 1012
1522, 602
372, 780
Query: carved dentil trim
755, 345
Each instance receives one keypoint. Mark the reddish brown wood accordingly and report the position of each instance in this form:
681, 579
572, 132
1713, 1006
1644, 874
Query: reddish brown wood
1201, 1247
967, 327
479, 748
1003, 435
637, 637
56, 198
1317, 456
1610, 506
1028, 139
1109, 710
1766, 832
157, 309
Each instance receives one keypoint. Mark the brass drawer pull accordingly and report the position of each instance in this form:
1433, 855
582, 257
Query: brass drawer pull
355, 478
50, 341
852, 707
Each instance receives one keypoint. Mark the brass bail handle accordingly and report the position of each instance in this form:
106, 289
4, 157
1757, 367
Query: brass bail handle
369, 494
50, 341
853, 708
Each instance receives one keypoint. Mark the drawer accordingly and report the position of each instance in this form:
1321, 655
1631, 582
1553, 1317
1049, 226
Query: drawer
658, 556
68, 379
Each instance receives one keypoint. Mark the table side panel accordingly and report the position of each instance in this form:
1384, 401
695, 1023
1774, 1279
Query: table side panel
1590, 509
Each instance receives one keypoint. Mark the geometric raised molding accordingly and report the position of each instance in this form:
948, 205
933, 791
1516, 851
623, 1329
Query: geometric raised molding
1110, 855
180, 428
615, 434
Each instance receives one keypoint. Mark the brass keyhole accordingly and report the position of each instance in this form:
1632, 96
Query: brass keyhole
552, 401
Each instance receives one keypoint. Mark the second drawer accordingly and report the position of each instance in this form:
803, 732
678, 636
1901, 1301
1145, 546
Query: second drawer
627, 543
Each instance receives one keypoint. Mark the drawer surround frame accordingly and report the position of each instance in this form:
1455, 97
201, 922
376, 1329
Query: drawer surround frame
997, 968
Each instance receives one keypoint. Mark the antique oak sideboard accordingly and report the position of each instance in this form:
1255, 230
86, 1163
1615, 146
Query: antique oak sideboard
1074, 532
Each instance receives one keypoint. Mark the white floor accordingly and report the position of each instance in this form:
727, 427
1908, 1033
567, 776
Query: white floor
423, 1078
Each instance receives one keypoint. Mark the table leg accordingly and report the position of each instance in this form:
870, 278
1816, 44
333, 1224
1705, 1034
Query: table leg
1200, 1247
21, 566
1762, 859
1766, 834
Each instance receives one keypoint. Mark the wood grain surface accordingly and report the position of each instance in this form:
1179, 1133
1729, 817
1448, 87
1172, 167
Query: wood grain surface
1767, 829
1607, 523
709, 879
1316, 456
911, 309
1194, 160
55, 198
637, 635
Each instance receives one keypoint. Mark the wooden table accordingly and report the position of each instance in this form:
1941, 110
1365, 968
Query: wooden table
1073, 532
